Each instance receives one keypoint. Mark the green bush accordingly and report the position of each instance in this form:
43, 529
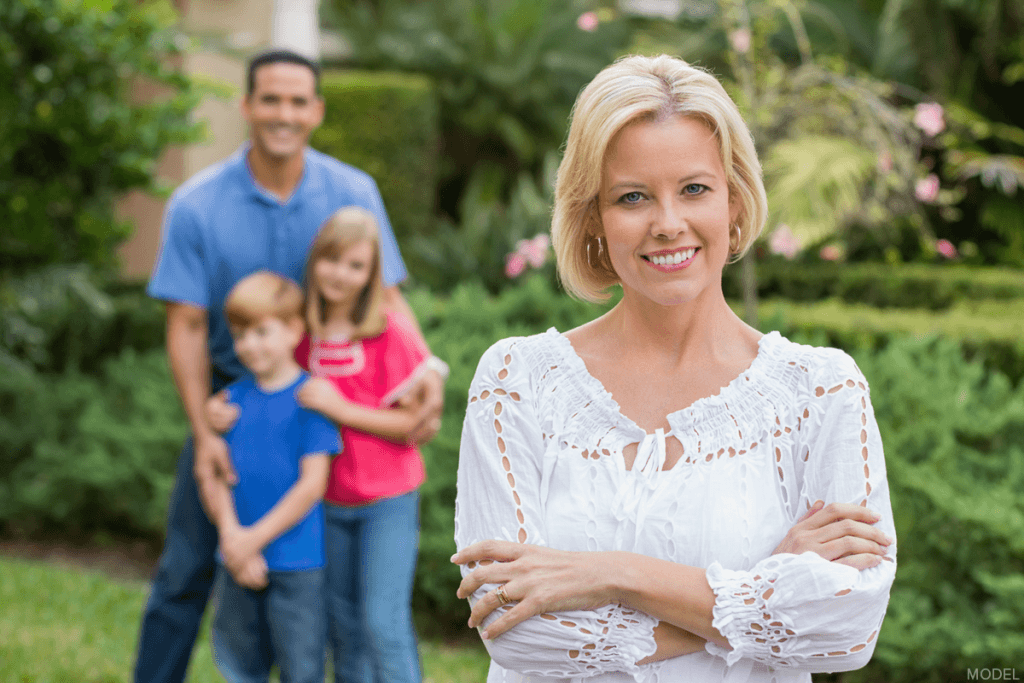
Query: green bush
61, 318
80, 454
954, 441
386, 124
992, 331
72, 139
878, 284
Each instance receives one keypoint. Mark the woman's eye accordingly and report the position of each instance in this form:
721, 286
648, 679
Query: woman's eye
631, 198
694, 188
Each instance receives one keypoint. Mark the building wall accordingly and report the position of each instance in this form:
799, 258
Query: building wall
229, 31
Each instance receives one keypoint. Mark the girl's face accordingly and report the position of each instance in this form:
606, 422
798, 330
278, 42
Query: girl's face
342, 277
665, 210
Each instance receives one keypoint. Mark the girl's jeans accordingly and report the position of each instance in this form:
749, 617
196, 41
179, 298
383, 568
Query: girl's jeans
371, 559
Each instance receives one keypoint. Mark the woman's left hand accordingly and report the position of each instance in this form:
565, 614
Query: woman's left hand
535, 579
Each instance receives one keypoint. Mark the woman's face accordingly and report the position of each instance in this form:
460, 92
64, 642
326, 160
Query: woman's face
665, 210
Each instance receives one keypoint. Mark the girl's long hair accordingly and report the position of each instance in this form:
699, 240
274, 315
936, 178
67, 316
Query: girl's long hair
345, 227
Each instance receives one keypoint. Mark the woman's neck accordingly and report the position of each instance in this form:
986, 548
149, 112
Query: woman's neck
684, 335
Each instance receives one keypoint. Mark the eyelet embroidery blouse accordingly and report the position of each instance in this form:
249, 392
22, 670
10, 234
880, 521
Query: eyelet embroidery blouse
541, 462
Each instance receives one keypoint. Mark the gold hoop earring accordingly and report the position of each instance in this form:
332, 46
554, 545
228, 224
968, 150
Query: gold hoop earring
739, 238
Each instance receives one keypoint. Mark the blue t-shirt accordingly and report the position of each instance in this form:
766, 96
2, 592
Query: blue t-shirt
221, 225
272, 435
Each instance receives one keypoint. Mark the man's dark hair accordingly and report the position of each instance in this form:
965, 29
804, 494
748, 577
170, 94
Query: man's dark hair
279, 57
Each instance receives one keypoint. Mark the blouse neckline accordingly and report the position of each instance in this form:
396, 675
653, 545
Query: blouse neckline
688, 416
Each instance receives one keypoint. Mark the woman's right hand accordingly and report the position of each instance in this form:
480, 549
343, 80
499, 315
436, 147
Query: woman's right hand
219, 414
838, 532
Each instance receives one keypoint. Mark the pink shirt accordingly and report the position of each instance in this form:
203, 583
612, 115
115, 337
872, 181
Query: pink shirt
371, 372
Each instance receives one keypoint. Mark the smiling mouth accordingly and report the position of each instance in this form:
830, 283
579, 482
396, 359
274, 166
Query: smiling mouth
672, 259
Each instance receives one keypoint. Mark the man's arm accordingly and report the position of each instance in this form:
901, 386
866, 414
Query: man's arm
429, 393
189, 358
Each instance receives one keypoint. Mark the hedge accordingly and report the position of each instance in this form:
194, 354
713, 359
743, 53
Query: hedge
387, 125
914, 285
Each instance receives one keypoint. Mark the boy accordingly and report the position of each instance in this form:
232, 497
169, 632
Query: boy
270, 607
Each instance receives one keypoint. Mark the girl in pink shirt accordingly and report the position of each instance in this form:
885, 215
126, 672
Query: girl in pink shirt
364, 362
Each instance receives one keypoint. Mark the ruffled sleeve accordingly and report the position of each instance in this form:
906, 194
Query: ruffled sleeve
802, 611
499, 496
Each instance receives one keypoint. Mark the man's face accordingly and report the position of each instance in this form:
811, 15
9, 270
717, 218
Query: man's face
282, 110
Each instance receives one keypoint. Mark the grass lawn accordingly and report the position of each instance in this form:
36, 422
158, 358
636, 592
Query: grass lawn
61, 625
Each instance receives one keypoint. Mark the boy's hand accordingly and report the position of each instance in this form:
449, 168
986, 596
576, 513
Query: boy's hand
239, 547
317, 393
220, 415
253, 574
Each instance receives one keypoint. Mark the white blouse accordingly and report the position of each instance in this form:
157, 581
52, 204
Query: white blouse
541, 462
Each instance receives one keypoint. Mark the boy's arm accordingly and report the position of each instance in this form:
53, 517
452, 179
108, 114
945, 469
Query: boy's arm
288, 511
250, 569
395, 424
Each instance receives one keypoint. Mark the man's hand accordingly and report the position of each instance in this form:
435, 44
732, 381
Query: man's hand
212, 460
220, 415
429, 395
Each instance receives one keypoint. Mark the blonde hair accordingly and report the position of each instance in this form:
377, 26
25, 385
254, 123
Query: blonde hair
263, 294
644, 89
345, 227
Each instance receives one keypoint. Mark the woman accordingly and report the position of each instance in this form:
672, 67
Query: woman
717, 498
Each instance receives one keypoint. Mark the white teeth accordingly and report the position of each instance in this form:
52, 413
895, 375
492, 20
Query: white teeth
673, 259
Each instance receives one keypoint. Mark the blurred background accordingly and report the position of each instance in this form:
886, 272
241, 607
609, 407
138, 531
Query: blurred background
892, 138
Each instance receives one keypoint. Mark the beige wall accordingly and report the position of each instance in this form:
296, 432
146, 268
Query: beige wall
229, 30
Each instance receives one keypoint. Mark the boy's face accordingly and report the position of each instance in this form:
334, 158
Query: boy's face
267, 346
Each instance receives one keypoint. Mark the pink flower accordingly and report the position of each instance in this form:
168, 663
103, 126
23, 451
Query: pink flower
830, 252
885, 162
740, 40
784, 242
946, 248
535, 250
928, 116
515, 264
927, 189
588, 22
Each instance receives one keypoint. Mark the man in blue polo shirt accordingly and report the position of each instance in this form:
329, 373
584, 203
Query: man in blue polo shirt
257, 210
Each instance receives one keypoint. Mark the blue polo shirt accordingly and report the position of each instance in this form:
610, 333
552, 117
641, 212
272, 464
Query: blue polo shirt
220, 226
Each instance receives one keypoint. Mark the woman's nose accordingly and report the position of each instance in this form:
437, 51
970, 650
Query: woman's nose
669, 220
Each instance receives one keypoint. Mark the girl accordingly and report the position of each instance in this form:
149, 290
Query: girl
364, 362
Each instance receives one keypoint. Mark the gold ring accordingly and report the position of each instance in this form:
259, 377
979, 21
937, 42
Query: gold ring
503, 598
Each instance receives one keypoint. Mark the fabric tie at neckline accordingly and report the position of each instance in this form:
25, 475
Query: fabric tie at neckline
631, 500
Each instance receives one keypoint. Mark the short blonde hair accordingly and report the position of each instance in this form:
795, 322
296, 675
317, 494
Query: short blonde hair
644, 89
263, 294
341, 230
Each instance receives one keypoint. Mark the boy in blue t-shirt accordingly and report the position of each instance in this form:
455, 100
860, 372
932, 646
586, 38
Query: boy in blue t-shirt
270, 604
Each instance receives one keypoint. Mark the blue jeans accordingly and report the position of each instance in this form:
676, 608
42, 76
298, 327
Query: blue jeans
283, 624
181, 587
184, 577
371, 561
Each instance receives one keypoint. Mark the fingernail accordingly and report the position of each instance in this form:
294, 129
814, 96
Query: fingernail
485, 635
889, 540
452, 558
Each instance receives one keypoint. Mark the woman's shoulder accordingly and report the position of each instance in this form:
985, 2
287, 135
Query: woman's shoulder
803, 364
525, 351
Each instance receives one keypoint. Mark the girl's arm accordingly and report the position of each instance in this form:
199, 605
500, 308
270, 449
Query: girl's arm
395, 424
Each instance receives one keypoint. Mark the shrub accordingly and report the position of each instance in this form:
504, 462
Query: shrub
386, 124
881, 285
71, 138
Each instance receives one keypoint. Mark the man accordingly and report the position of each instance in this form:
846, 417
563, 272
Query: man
259, 209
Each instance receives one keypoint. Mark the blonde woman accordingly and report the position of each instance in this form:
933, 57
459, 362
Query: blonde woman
665, 493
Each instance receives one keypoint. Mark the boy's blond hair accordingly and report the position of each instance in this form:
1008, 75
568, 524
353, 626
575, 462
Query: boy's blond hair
263, 294
345, 227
